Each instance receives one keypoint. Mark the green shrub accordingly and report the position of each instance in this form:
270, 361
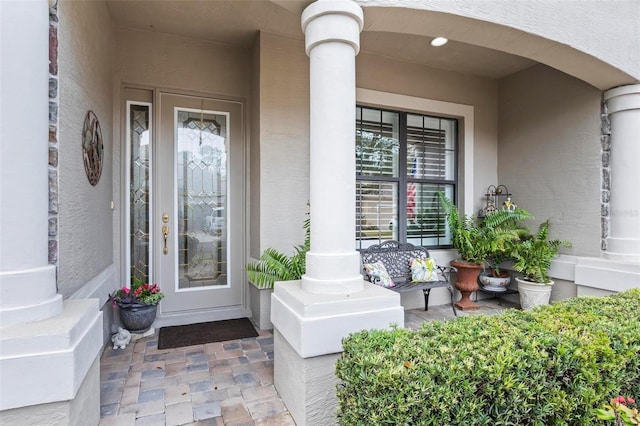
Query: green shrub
550, 366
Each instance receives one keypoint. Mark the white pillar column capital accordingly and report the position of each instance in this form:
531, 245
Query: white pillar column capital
623, 98
623, 108
332, 20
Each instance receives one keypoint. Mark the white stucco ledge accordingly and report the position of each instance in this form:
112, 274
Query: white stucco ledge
46, 361
315, 324
564, 267
606, 274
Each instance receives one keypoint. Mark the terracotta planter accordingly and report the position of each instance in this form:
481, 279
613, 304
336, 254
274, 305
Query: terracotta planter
138, 318
467, 283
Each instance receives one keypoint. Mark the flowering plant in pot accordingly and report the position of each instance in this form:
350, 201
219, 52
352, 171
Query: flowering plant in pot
139, 294
138, 305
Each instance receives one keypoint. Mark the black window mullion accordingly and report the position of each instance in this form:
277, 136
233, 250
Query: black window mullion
456, 146
402, 174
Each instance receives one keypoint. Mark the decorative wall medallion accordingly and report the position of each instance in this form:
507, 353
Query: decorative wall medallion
92, 148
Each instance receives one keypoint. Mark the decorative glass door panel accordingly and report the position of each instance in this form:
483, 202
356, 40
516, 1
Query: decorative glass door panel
201, 165
199, 217
139, 178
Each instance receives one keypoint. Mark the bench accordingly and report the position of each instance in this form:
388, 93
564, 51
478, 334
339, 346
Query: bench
396, 257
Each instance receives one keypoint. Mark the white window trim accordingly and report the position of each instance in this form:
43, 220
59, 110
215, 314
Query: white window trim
464, 113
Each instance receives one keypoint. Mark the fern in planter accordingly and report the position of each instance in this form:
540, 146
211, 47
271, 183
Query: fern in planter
532, 257
490, 239
504, 233
276, 266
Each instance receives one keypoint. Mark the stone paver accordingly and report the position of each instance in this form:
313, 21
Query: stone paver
222, 383
179, 414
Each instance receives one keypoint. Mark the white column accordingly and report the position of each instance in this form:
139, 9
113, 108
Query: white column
312, 316
332, 33
27, 281
49, 349
623, 105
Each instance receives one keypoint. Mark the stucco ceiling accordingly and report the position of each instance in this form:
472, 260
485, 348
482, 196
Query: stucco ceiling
236, 22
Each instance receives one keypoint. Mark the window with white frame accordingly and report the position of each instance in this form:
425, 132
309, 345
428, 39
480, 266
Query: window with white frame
403, 160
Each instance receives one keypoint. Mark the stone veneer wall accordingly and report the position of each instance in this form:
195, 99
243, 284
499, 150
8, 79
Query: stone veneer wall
53, 134
605, 139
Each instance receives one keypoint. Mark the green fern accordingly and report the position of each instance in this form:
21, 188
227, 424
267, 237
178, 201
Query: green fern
533, 256
505, 218
276, 266
504, 233
490, 239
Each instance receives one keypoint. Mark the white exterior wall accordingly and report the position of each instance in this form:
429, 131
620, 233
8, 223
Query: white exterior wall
549, 153
86, 43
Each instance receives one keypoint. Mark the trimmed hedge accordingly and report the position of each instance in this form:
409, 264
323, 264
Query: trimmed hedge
550, 366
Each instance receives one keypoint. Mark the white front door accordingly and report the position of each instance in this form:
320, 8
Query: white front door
198, 223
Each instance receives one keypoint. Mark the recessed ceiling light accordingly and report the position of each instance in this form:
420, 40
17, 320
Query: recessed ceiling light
439, 41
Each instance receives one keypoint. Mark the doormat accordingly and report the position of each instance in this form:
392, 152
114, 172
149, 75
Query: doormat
205, 332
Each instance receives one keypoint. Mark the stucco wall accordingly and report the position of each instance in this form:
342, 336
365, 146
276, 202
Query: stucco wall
182, 63
549, 152
284, 126
86, 46
564, 34
254, 154
284, 142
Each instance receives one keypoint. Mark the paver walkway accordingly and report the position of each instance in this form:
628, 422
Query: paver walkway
227, 383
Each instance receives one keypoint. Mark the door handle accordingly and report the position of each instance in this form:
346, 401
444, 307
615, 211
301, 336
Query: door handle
165, 235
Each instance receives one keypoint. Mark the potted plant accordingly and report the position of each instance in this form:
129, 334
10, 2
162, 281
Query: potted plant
532, 258
137, 305
507, 234
271, 267
494, 278
477, 241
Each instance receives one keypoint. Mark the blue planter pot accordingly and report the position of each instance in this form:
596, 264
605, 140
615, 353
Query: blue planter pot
138, 318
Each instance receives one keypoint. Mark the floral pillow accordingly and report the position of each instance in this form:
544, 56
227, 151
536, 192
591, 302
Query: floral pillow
424, 270
378, 274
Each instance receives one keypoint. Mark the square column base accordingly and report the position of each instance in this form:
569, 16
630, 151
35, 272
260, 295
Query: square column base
306, 385
84, 409
47, 361
308, 333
